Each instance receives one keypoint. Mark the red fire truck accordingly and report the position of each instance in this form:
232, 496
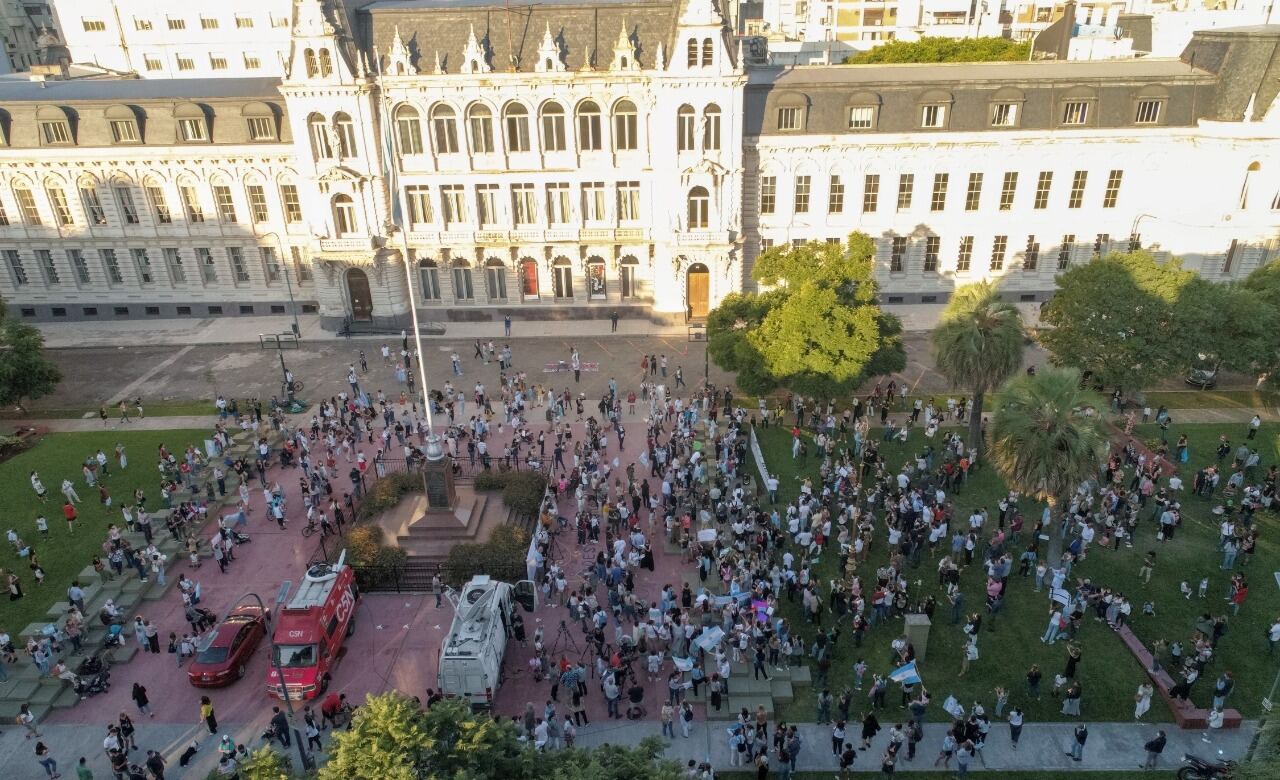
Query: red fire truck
311, 628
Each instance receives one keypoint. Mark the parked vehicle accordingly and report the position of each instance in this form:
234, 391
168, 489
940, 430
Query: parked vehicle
471, 656
311, 629
224, 654
1202, 769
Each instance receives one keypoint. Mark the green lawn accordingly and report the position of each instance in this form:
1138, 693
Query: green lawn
63, 555
157, 409
1108, 672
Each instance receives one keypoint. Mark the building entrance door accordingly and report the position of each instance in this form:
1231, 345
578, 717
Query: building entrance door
698, 291
358, 292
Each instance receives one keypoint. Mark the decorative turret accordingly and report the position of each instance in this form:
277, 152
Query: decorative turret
624, 52
550, 59
473, 57
399, 63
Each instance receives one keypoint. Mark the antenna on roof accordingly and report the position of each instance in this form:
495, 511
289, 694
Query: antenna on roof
511, 50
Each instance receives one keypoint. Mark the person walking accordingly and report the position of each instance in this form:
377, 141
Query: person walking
27, 719
45, 760
1077, 745
668, 718
686, 718
140, 698
1154, 748
280, 726
207, 714
1142, 700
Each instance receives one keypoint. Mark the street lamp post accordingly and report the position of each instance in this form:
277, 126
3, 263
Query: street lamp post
307, 763
293, 307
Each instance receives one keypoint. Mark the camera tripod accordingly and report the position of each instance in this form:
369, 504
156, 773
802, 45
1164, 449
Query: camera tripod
564, 635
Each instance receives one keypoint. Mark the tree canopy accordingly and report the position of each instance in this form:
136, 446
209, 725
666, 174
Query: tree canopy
1119, 319
25, 372
819, 330
936, 49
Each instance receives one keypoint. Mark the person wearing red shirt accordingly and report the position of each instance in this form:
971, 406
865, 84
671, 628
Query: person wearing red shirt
69, 512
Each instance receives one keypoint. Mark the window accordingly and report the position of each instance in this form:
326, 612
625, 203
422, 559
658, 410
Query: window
444, 129
524, 204
186, 63
1253, 168
93, 25
1043, 183
217, 62
173, 261
835, 195
1112, 193
1148, 112
1064, 251
965, 257
93, 205
429, 280
766, 244
898, 254
454, 204
280, 21
1101, 245
111, 264
152, 63
262, 128
562, 279
932, 248
61, 208
27, 205
207, 23
630, 288
318, 131
589, 127
480, 124
999, 246
625, 127
1078, 181
1031, 257
124, 203
517, 122
177, 24
226, 206
1004, 115
192, 130
292, 205
251, 61
686, 121
906, 187
44, 258
711, 128
1008, 189
55, 132
124, 131
933, 116
768, 194
257, 203
593, 201
628, 201
558, 212
789, 117
142, 264
1229, 258
462, 288
141, 25
1075, 112
938, 201
802, 194
345, 130
418, 199
239, 271
17, 271
344, 215
1135, 242
270, 265
973, 195
301, 267
692, 55
862, 117
553, 128
4, 215
89, 311
495, 280
699, 206
408, 130
486, 204
208, 269
191, 203
708, 51
871, 192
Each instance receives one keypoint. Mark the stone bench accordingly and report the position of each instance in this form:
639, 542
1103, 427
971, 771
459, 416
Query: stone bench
1185, 713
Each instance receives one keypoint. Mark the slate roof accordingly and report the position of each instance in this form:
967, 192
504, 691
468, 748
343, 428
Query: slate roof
20, 87
1247, 63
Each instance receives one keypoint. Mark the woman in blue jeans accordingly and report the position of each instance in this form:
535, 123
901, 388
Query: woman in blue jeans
46, 761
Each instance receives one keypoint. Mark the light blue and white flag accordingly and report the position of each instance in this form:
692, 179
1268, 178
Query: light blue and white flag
906, 674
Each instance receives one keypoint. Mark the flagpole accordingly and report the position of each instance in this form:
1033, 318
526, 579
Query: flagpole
434, 451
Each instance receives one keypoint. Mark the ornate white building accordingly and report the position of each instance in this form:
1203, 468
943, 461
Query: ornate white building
569, 159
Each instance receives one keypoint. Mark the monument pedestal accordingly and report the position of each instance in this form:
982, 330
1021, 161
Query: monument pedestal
917, 632
428, 525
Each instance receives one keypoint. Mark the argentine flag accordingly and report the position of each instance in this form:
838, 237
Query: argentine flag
906, 674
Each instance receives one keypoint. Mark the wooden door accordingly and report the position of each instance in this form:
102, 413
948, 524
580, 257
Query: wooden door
358, 292
699, 292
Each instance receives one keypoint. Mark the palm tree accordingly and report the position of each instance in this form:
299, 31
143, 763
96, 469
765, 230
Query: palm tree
1047, 437
978, 345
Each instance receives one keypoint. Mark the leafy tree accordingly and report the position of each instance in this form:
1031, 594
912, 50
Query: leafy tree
1047, 436
1234, 325
820, 331
25, 372
978, 345
936, 49
1117, 318
264, 764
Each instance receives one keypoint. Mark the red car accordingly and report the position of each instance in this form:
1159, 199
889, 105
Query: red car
223, 655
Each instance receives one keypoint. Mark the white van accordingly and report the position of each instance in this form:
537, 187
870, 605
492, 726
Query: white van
471, 656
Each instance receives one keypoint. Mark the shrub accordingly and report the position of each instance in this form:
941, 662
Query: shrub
521, 490
363, 543
387, 492
502, 557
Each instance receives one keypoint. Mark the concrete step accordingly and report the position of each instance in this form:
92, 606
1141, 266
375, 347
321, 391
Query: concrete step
49, 689
66, 699
782, 691
19, 689
737, 703
9, 709
726, 713
801, 677
120, 655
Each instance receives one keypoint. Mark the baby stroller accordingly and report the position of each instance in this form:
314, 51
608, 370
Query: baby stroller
92, 686
114, 637
92, 665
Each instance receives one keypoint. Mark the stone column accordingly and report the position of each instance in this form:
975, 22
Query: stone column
917, 631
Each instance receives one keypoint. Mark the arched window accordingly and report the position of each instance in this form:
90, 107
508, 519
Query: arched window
462, 285
699, 208
345, 130
529, 278
517, 121
596, 289
1253, 168
625, 126
326, 65
309, 57
445, 129
708, 52
344, 216
686, 123
408, 130
429, 279
627, 268
589, 127
553, 128
495, 279
318, 130
480, 123
692, 59
562, 278
711, 128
